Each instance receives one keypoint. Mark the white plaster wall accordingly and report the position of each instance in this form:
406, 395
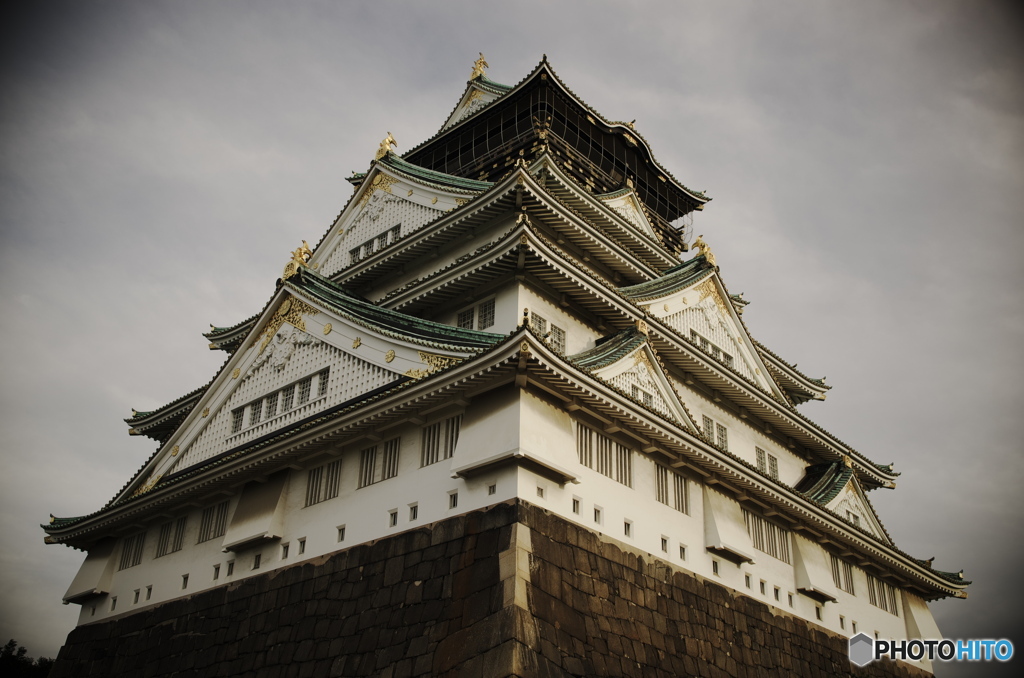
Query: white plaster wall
578, 335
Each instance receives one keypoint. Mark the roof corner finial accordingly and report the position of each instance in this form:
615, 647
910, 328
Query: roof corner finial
705, 250
478, 67
385, 146
299, 258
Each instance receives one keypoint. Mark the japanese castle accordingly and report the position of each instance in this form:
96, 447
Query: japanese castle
514, 311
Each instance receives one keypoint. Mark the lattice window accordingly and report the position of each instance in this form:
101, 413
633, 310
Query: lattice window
287, 397
237, 419
711, 349
883, 595
305, 386
842, 574
557, 339
539, 324
767, 463
485, 314
767, 537
773, 467
271, 405
723, 436
604, 455
131, 551
213, 523
323, 482
321, 382
172, 537
465, 319
439, 440
709, 429
255, 412
672, 489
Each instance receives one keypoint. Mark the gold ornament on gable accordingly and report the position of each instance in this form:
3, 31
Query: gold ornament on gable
290, 311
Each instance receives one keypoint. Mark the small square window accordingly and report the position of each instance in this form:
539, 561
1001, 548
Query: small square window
746, 580
575, 505
284, 551
414, 512
138, 592
216, 572
855, 627
682, 552
184, 581
113, 603
540, 492
256, 560
790, 599
842, 622
764, 589
231, 567
597, 515
627, 528
492, 489
664, 544
778, 594
817, 613
392, 518
149, 592
93, 613
714, 566
453, 500
302, 546
341, 533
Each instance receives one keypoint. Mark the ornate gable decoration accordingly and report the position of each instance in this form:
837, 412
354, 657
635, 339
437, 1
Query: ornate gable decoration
639, 375
699, 312
852, 505
629, 207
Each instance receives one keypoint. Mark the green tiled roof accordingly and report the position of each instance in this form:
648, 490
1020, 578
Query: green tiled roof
432, 176
609, 350
823, 482
676, 278
391, 323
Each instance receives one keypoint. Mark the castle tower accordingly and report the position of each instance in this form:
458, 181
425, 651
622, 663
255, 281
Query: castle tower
501, 420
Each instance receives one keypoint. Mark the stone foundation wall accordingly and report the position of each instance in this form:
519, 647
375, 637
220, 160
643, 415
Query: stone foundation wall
508, 591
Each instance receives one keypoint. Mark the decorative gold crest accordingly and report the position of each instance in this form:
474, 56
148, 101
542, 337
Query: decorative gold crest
478, 67
235, 372
175, 450
357, 342
327, 328
206, 412
385, 146
433, 201
290, 311
389, 356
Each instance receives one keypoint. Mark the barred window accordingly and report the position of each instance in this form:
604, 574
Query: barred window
287, 397
773, 467
709, 429
172, 536
465, 319
321, 382
712, 350
131, 551
237, 418
767, 463
439, 440
355, 254
271, 405
883, 595
558, 339
396, 233
767, 537
604, 455
367, 462
760, 454
213, 523
643, 396
672, 489
485, 315
374, 467
842, 574
304, 388
323, 482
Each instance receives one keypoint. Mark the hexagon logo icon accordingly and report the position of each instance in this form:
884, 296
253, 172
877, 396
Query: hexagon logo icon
862, 649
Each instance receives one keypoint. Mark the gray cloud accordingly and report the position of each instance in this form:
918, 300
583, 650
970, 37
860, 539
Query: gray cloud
159, 161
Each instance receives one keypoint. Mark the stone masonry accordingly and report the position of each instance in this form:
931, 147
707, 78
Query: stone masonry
507, 591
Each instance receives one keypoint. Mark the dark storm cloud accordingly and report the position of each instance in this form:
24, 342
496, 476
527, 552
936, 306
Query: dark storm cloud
160, 160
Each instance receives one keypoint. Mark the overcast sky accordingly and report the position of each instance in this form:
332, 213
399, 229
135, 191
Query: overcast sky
160, 160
